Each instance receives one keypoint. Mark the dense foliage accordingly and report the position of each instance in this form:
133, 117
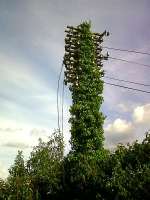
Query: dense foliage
88, 171
45, 167
83, 76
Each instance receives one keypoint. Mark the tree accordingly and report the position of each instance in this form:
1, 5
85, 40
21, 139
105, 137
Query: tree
128, 172
45, 167
18, 180
3, 190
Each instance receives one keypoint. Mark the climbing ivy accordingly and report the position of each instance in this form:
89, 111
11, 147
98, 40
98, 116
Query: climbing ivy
83, 74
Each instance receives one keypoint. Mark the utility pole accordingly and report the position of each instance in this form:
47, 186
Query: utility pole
83, 72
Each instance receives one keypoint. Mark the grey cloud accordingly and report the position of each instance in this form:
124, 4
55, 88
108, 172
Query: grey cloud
18, 145
112, 140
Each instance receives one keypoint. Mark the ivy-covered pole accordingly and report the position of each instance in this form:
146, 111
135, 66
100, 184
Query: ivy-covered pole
83, 62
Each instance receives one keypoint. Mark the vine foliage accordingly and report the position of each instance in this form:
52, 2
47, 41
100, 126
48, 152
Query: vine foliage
83, 63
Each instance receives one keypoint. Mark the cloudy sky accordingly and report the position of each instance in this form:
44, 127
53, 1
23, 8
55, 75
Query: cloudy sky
31, 52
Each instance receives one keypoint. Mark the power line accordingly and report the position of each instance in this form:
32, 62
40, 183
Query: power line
136, 83
121, 86
129, 61
58, 96
127, 50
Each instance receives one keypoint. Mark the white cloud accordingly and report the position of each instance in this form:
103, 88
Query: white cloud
141, 114
119, 126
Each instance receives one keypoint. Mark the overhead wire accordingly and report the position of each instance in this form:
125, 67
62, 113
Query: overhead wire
127, 50
130, 88
122, 80
141, 64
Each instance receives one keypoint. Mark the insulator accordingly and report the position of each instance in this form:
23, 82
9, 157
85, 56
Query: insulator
100, 67
99, 63
103, 34
67, 41
107, 33
100, 40
70, 67
73, 62
105, 58
98, 49
66, 62
67, 46
98, 53
72, 58
73, 28
74, 40
66, 57
100, 35
67, 31
107, 54
99, 57
99, 60
67, 67
70, 78
69, 35
96, 34
71, 54
73, 46
70, 46
67, 49
96, 44
66, 54
70, 50
69, 73
96, 38
71, 31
